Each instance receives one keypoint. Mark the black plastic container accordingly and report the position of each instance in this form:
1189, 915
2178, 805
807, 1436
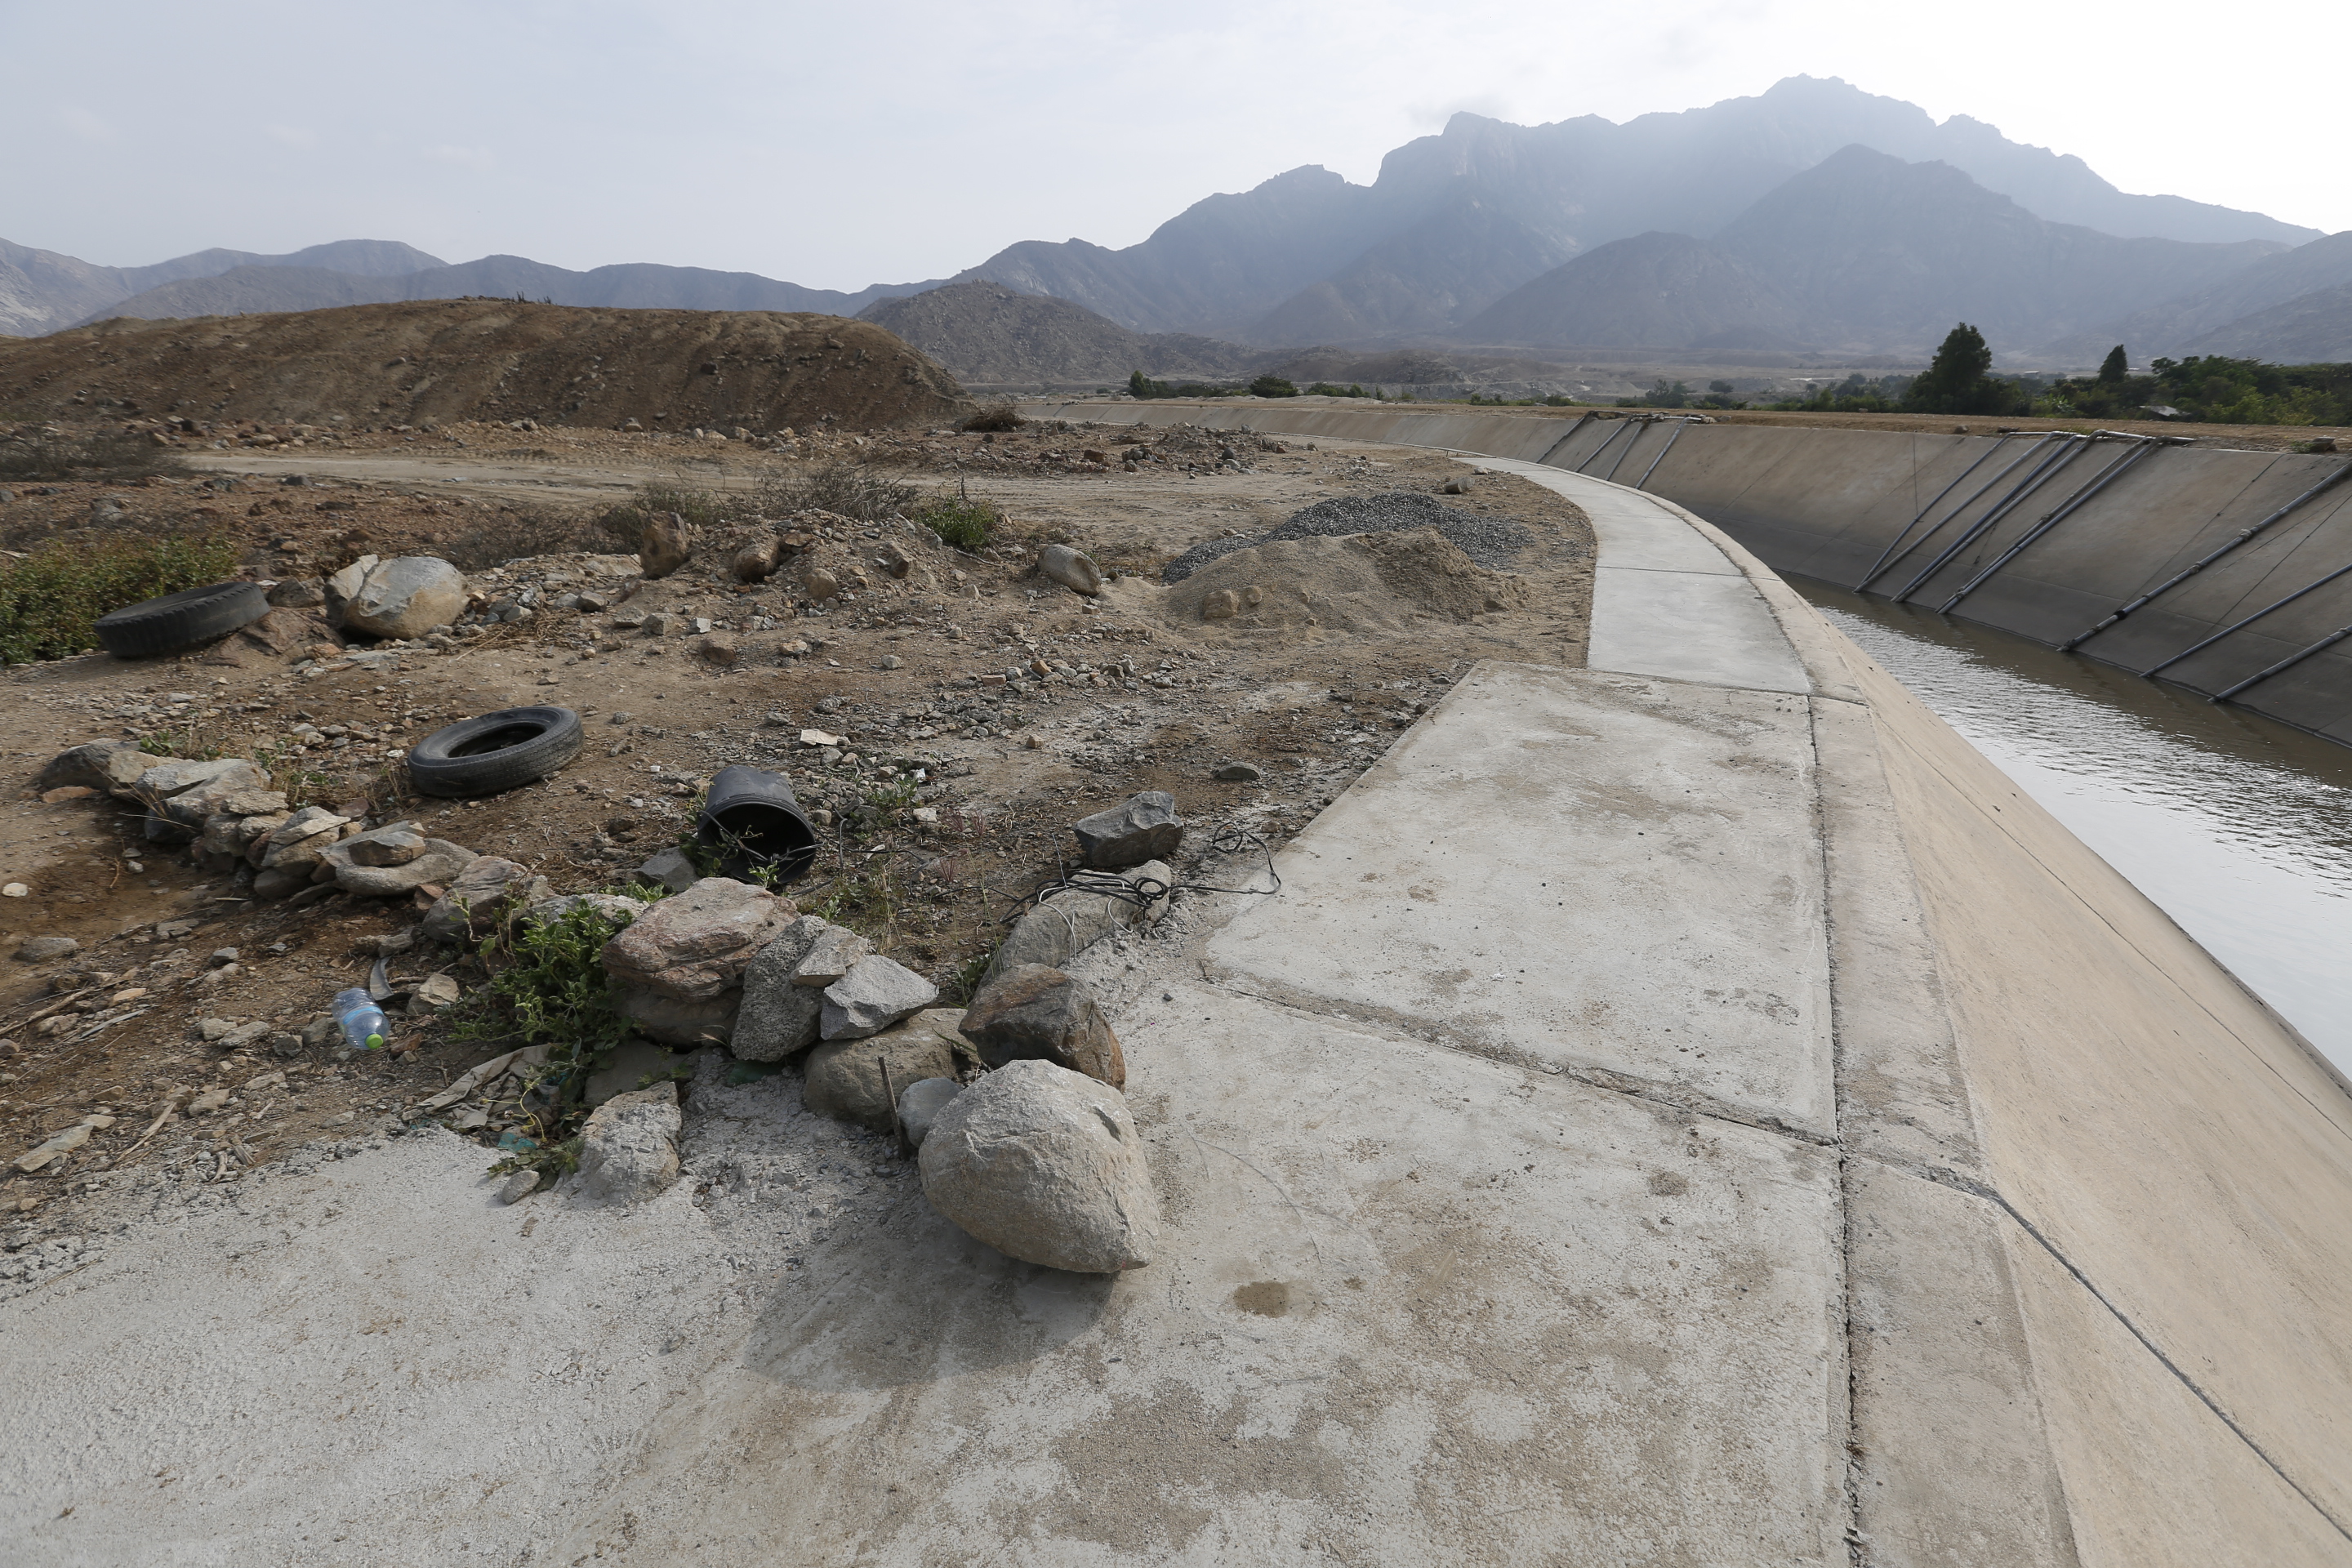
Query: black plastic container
752, 819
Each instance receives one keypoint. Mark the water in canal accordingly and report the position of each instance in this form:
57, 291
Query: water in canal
2240, 829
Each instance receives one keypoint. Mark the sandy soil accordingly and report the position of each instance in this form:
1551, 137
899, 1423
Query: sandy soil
909, 672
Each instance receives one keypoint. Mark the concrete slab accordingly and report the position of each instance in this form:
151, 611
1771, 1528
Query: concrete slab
1596, 873
1412, 1308
1658, 579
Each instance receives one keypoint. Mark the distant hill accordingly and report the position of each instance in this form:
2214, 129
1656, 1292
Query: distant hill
41, 290
990, 335
248, 289
481, 359
1652, 291
2286, 301
1306, 253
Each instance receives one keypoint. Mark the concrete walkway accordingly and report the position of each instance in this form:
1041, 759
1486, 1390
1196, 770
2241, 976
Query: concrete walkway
1686, 1110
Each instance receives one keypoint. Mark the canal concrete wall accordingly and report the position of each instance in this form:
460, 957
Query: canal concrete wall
1900, 512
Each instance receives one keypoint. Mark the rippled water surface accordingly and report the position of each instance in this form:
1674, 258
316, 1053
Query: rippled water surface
2240, 829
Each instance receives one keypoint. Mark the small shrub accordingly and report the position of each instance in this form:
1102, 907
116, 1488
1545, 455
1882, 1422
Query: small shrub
993, 416
846, 490
701, 509
961, 521
1272, 386
50, 600
505, 536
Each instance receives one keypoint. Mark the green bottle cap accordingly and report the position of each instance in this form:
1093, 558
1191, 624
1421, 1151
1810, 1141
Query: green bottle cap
375, 1042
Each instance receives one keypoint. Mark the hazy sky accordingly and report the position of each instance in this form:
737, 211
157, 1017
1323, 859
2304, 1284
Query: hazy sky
842, 144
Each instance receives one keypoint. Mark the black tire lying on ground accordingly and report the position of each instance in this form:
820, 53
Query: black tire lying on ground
495, 752
181, 620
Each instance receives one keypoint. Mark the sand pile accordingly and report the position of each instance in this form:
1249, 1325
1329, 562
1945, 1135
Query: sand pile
1365, 584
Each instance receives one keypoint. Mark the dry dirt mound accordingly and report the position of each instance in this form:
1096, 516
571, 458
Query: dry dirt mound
991, 335
482, 359
1376, 584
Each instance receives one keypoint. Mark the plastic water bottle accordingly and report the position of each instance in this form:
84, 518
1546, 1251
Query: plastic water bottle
361, 1020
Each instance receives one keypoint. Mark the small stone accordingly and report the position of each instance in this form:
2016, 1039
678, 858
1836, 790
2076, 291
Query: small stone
1144, 827
395, 846
285, 1043
69, 792
821, 584
695, 945
834, 952
846, 1078
1044, 1165
663, 623
628, 1148
669, 868
919, 1106
440, 862
876, 994
518, 1186
1222, 604
719, 648
110, 765
1458, 486
15, 890
1239, 772
434, 994
890, 661
43, 949
778, 1018
222, 956
1034, 1013
1073, 569
757, 561
299, 593
481, 896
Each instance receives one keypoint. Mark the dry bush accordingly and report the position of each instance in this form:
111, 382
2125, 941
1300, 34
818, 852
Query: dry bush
994, 416
504, 536
104, 458
845, 489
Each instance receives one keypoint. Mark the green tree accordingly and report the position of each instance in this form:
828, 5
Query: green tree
1272, 386
1956, 381
2115, 367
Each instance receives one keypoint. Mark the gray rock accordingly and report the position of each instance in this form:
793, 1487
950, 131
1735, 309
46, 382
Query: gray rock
628, 1148
441, 861
1073, 569
482, 895
779, 1019
1239, 772
920, 1105
43, 949
665, 545
846, 1078
434, 994
112, 766
168, 779
192, 805
285, 1043
667, 868
1034, 1013
281, 883
301, 840
1044, 1165
299, 593
835, 952
695, 945
518, 1186
394, 844
1060, 927
1144, 827
406, 597
342, 585
631, 1062
256, 832
876, 994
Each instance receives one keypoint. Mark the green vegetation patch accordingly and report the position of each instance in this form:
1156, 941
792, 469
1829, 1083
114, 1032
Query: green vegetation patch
50, 600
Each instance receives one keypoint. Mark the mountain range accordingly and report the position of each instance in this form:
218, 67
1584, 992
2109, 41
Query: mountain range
1813, 216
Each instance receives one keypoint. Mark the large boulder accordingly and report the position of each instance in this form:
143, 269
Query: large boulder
876, 994
1144, 827
665, 545
1058, 929
779, 1018
482, 895
210, 797
858, 1081
341, 587
1073, 569
695, 945
628, 1147
1044, 1165
1034, 1013
168, 779
111, 766
406, 597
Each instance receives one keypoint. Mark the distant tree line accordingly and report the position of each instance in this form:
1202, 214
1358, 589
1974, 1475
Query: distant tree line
1141, 385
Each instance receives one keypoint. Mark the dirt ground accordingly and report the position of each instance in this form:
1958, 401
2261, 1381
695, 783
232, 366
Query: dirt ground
977, 709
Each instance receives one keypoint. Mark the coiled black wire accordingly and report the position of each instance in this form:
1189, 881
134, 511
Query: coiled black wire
1145, 892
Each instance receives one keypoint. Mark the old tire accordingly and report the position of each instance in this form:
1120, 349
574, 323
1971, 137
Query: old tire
495, 752
181, 620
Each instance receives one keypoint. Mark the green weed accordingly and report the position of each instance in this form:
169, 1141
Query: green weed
961, 520
51, 599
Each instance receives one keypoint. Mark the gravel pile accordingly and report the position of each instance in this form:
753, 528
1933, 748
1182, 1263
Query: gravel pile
1491, 542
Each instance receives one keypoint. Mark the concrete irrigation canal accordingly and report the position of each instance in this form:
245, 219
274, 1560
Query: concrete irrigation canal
1690, 1108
